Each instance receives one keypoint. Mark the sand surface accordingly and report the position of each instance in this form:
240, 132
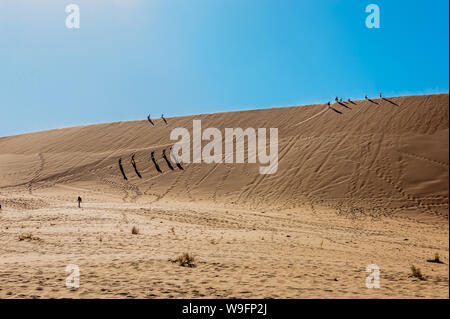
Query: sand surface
363, 183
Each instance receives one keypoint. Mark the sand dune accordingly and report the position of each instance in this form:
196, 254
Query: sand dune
365, 182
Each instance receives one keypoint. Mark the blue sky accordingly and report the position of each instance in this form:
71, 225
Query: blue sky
134, 57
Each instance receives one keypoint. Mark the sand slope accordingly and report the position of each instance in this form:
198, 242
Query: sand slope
364, 183
391, 154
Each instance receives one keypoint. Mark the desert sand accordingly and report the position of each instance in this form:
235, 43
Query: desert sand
363, 183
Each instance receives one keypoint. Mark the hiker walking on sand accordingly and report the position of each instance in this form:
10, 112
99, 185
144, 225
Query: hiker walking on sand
381, 95
329, 105
365, 97
336, 99
79, 201
349, 100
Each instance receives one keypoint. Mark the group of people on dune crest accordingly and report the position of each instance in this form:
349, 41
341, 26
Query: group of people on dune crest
337, 100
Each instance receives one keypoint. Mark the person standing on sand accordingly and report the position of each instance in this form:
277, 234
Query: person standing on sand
329, 105
79, 201
365, 97
381, 95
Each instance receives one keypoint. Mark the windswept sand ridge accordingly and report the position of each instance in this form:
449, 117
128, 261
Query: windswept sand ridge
389, 154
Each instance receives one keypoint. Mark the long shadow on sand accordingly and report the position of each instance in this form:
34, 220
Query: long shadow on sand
341, 103
133, 162
167, 160
337, 111
150, 120
121, 169
372, 101
385, 99
156, 164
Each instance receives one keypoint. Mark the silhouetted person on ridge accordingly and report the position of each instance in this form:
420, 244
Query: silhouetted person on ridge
162, 116
150, 120
341, 100
365, 97
336, 99
381, 95
79, 201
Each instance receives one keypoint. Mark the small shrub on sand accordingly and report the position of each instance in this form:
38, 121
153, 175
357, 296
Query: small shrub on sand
416, 273
436, 259
135, 230
184, 260
27, 237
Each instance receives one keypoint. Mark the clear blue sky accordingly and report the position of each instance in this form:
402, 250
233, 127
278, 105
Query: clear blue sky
134, 57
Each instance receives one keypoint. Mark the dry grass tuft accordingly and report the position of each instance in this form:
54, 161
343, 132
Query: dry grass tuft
416, 273
184, 260
27, 237
135, 230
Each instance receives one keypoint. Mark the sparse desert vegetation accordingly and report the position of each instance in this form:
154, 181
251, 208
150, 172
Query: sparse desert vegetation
28, 236
135, 230
185, 260
417, 273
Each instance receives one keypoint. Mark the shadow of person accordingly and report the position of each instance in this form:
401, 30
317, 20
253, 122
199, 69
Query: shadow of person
337, 111
372, 101
150, 120
392, 102
344, 105
133, 162
163, 118
121, 169
154, 162
177, 162
166, 159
